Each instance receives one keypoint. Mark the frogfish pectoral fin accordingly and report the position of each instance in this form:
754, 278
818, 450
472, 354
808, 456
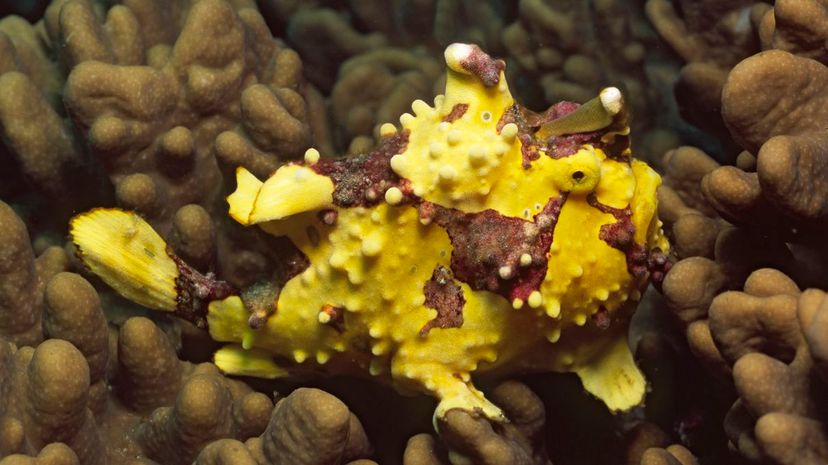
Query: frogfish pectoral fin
613, 376
292, 189
128, 255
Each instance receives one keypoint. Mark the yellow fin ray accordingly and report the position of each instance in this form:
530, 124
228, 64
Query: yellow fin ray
292, 189
235, 360
242, 200
128, 255
613, 376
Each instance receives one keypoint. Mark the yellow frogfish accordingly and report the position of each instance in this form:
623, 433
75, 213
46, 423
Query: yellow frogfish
476, 237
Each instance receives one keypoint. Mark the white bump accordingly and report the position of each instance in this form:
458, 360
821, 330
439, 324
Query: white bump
378, 349
447, 173
397, 163
455, 54
388, 129
406, 119
322, 357
477, 155
509, 132
419, 107
311, 156
324, 317
505, 272
553, 308
554, 335
580, 319
517, 303
436, 149
612, 100
602, 294
300, 355
525, 259
372, 245
535, 299
438, 100
375, 368
454, 137
393, 196
337, 259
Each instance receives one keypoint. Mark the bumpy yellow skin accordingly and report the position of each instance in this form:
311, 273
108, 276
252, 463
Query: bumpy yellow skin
374, 261
361, 305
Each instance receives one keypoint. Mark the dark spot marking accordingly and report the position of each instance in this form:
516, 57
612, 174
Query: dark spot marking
359, 180
443, 295
620, 235
194, 291
457, 112
337, 317
328, 217
313, 235
486, 68
578, 175
602, 318
658, 264
485, 241
260, 300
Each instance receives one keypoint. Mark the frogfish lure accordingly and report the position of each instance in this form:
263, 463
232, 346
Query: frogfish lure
478, 237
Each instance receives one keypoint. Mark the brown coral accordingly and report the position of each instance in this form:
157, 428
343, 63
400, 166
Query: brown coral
572, 49
711, 36
154, 130
22, 280
163, 409
30, 123
471, 439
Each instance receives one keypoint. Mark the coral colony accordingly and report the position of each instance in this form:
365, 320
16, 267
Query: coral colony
343, 267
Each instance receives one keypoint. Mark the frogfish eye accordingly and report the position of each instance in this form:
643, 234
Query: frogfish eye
578, 173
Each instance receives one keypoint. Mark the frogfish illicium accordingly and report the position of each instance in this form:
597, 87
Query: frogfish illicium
477, 237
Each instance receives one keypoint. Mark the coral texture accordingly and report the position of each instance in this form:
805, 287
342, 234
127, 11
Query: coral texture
151, 105
753, 239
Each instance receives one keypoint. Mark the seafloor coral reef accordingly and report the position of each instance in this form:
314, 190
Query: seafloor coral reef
750, 237
150, 106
